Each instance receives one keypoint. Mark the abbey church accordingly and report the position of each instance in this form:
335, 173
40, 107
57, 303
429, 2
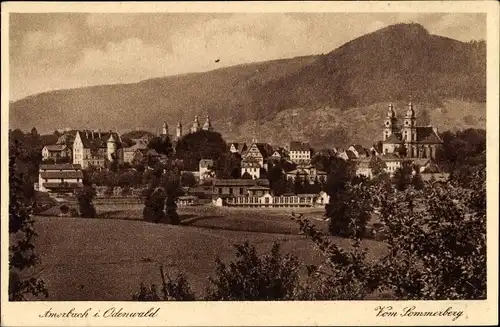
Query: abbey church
419, 141
207, 126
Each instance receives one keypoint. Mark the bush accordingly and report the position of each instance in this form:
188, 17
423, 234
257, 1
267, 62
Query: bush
253, 278
437, 241
350, 210
85, 198
154, 205
177, 289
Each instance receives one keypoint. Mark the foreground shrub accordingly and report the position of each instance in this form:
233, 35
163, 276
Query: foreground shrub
85, 202
252, 278
437, 241
344, 275
177, 289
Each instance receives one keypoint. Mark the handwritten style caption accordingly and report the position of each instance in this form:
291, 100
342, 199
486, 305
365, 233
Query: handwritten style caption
389, 312
108, 313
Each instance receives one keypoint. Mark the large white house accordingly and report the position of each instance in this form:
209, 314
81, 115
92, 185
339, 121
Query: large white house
300, 152
95, 148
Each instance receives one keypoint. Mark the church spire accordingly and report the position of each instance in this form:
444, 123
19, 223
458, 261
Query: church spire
179, 130
208, 125
196, 125
165, 128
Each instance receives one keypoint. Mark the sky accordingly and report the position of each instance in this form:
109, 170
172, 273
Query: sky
66, 50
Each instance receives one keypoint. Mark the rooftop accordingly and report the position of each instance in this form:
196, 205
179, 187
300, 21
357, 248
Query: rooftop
61, 174
240, 182
65, 166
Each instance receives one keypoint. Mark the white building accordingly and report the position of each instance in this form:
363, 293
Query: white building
266, 200
251, 167
206, 167
300, 152
60, 178
95, 148
56, 152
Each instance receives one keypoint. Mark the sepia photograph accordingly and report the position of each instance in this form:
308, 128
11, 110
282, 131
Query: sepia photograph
246, 156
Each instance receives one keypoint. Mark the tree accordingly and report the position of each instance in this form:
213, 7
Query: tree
298, 184
188, 179
162, 145
193, 147
246, 175
22, 254
228, 165
251, 278
461, 150
437, 252
349, 210
403, 176
173, 191
154, 204
401, 150
343, 275
379, 146
416, 181
85, 197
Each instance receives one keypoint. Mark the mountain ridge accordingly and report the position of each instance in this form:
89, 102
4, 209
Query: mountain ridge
389, 64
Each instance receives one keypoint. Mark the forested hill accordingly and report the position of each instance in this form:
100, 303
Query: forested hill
330, 99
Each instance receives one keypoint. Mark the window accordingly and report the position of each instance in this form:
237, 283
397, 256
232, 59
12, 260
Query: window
267, 200
230, 190
220, 190
241, 190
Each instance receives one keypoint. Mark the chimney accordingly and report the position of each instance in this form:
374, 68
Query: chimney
86, 134
99, 131
92, 134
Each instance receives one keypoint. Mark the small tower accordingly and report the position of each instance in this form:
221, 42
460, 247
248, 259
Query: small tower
390, 123
178, 131
112, 146
196, 125
165, 129
208, 126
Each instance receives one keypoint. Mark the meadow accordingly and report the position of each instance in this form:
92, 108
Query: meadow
105, 258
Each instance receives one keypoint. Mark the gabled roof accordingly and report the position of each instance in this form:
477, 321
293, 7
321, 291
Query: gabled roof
135, 147
299, 171
97, 140
61, 174
67, 138
240, 182
299, 146
427, 134
394, 138
65, 166
62, 185
350, 154
238, 146
55, 147
265, 149
359, 148
257, 188
390, 156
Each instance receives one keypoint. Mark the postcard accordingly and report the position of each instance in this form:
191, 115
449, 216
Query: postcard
250, 163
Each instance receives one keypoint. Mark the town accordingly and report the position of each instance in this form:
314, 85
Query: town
403, 143
353, 168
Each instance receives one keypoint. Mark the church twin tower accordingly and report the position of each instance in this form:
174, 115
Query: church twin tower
194, 128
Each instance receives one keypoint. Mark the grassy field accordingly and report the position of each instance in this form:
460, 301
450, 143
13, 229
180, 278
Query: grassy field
106, 258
